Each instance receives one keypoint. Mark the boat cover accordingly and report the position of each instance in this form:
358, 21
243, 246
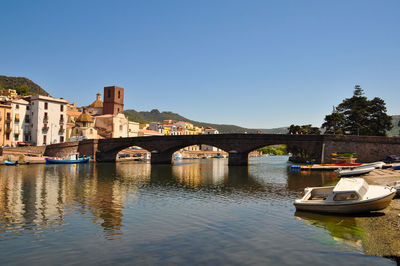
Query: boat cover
352, 184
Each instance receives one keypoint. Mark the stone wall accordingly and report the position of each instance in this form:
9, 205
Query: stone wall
367, 148
61, 149
34, 150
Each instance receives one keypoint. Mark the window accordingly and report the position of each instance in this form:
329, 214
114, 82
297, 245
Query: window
346, 196
17, 106
28, 108
119, 94
26, 118
61, 139
62, 118
46, 106
118, 110
109, 93
91, 131
8, 116
7, 136
45, 116
61, 108
44, 139
120, 127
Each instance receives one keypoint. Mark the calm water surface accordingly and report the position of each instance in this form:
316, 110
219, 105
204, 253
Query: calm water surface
194, 212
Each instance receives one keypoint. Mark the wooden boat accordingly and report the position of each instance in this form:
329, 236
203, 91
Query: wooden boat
72, 158
357, 171
350, 195
9, 163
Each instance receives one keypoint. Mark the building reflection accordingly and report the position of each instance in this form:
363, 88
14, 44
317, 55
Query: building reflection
38, 196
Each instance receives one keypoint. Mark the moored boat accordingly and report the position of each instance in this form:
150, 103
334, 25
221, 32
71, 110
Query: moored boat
9, 163
362, 170
72, 158
396, 166
350, 195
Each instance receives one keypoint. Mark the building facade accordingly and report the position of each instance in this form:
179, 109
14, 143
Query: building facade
6, 123
22, 121
49, 119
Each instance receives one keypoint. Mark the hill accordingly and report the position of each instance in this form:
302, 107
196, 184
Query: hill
17, 82
157, 116
395, 130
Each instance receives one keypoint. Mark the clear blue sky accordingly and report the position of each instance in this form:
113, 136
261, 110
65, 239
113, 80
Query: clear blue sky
259, 64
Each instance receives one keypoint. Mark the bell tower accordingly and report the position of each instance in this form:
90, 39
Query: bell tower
113, 100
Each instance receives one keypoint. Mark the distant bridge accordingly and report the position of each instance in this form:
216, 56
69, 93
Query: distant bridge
238, 146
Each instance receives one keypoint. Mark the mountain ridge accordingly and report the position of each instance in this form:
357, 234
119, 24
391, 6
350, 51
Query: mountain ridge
157, 116
7, 82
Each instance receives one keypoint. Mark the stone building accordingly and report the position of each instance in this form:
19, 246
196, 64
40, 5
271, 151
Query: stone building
112, 126
84, 127
133, 129
113, 100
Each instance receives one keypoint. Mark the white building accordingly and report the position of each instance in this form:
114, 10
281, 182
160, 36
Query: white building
49, 119
156, 126
21, 131
209, 130
112, 126
133, 129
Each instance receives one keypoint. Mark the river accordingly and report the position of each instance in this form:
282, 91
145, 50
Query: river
193, 212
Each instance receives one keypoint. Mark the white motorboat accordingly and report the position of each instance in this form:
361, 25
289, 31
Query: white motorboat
376, 165
362, 170
177, 156
350, 195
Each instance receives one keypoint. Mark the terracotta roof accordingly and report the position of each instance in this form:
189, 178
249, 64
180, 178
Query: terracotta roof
73, 113
97, 104
85, 117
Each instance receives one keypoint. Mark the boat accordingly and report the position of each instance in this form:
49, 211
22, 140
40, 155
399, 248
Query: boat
396, 166
177, 156
350, 195
9, 163
357, 171
72, 158
376, 165
396, 185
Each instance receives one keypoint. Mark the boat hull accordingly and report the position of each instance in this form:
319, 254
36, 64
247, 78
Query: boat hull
9, 163
346, 208
55, 161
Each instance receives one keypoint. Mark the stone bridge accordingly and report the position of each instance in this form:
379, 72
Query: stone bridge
317, 147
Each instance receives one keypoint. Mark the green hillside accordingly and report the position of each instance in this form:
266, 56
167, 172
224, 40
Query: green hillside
157, 116
21, 84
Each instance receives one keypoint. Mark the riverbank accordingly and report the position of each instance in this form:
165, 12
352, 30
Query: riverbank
382, 232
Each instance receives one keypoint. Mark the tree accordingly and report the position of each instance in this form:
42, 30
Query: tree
359, 116
303, 130
23, 90
334, 123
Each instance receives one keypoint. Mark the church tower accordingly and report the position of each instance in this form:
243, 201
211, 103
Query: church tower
113, 100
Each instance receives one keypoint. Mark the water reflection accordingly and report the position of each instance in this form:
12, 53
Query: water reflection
341, 228
179, 210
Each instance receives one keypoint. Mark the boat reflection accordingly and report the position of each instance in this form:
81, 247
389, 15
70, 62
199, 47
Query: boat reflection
341, 228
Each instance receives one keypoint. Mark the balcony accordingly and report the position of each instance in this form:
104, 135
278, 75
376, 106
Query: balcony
62, 121
45, 128
8, 130
45, 119
8, 120
16, 120
62, 130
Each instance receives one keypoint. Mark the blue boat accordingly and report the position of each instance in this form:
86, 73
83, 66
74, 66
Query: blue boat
70, 159
396, 166
7, 162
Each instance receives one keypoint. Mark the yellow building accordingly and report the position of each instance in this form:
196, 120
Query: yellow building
6, 124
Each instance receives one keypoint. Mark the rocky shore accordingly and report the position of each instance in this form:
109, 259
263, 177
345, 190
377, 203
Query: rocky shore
382, 232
